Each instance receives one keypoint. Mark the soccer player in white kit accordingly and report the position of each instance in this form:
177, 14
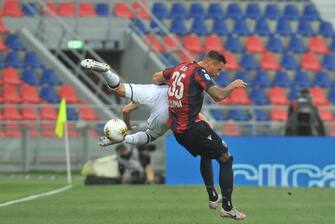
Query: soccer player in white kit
153, 96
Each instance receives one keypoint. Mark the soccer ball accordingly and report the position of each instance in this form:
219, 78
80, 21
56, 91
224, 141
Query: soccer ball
115, 129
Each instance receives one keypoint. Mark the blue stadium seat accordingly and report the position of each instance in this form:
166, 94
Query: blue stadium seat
234, 11
215, 11
322, 79
238, 115
289, 62
326, 29
2, 62
332, 44
262, 79
31, 60
218, 114
178, 27
248, 61
240, 28
170, 59
253, 11
178, 10
223, 79
71, 113
140, 26
156, 29
29, 77
197, 10
283, 27
49, 94
310, 12
199, 27
296, 45
244, 76
159, 10
262, 115
294, 91
331, 94
12, 60
30, 9
272, 12
102, 9
233, 44
262, 28
305, 28
291, 12
274, 44
328, 61
14, 42
281, 79
50, 78
219, 27
302, 80
259, 97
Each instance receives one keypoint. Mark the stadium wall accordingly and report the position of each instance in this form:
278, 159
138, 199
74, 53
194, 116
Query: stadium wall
259, 161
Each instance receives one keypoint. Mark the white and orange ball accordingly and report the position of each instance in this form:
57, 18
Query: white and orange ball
115, 129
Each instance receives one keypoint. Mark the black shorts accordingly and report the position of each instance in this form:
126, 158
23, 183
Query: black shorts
200, 139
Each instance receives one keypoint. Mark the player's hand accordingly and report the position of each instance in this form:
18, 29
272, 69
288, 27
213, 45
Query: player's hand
238, 83
131, 127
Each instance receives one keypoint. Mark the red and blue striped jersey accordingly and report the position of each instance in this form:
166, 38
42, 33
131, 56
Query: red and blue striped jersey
187, 81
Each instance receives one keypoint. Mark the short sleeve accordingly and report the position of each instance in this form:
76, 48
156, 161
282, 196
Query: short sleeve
203, 79
167, 73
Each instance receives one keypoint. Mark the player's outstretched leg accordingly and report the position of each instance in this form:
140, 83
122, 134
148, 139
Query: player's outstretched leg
104, 141
138, 138
112, 79
226, 180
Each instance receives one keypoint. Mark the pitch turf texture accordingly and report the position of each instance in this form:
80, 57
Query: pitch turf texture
159, 204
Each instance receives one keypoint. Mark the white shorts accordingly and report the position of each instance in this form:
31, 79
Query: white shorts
154, 97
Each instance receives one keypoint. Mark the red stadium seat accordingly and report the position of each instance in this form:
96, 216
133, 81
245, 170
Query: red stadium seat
3, 46
184, 57
239, 97
213, 42
169, 43
153, 43
67, 9
140, 11
51, 9
232, 63
326, 115
48, 113
277, 96
11, 8
309, 61
87, 113
12, 113
331, 130
10, 76
319, 97
86, 9
192, 43
231, 129
278, 115
30, 94
269, 62
122, 10
3, 28
318, 45
10, 94
254, 44
29, 113
69, 93
12, 130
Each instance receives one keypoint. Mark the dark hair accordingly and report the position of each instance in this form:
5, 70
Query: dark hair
120, 147
216, 56
149, 147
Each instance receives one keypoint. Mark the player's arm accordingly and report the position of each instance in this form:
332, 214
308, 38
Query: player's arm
219, 93
162, 76
126, 110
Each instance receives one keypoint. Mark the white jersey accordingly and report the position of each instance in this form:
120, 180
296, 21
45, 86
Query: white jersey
154, 97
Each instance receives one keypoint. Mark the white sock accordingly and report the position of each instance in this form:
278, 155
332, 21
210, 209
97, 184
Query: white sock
112, 79
139, 138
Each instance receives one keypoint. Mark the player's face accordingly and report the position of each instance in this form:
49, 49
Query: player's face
215, 67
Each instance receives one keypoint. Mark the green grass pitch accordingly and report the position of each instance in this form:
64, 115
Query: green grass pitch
159, 204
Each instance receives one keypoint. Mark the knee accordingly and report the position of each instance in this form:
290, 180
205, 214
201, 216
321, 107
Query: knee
225, 157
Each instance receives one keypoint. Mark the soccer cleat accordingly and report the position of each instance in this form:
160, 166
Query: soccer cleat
104, 141
95, 66
215, 204
233, 214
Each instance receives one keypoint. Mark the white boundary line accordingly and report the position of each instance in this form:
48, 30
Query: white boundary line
35, 196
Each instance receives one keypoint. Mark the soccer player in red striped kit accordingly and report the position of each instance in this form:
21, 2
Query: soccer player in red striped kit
187, 82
